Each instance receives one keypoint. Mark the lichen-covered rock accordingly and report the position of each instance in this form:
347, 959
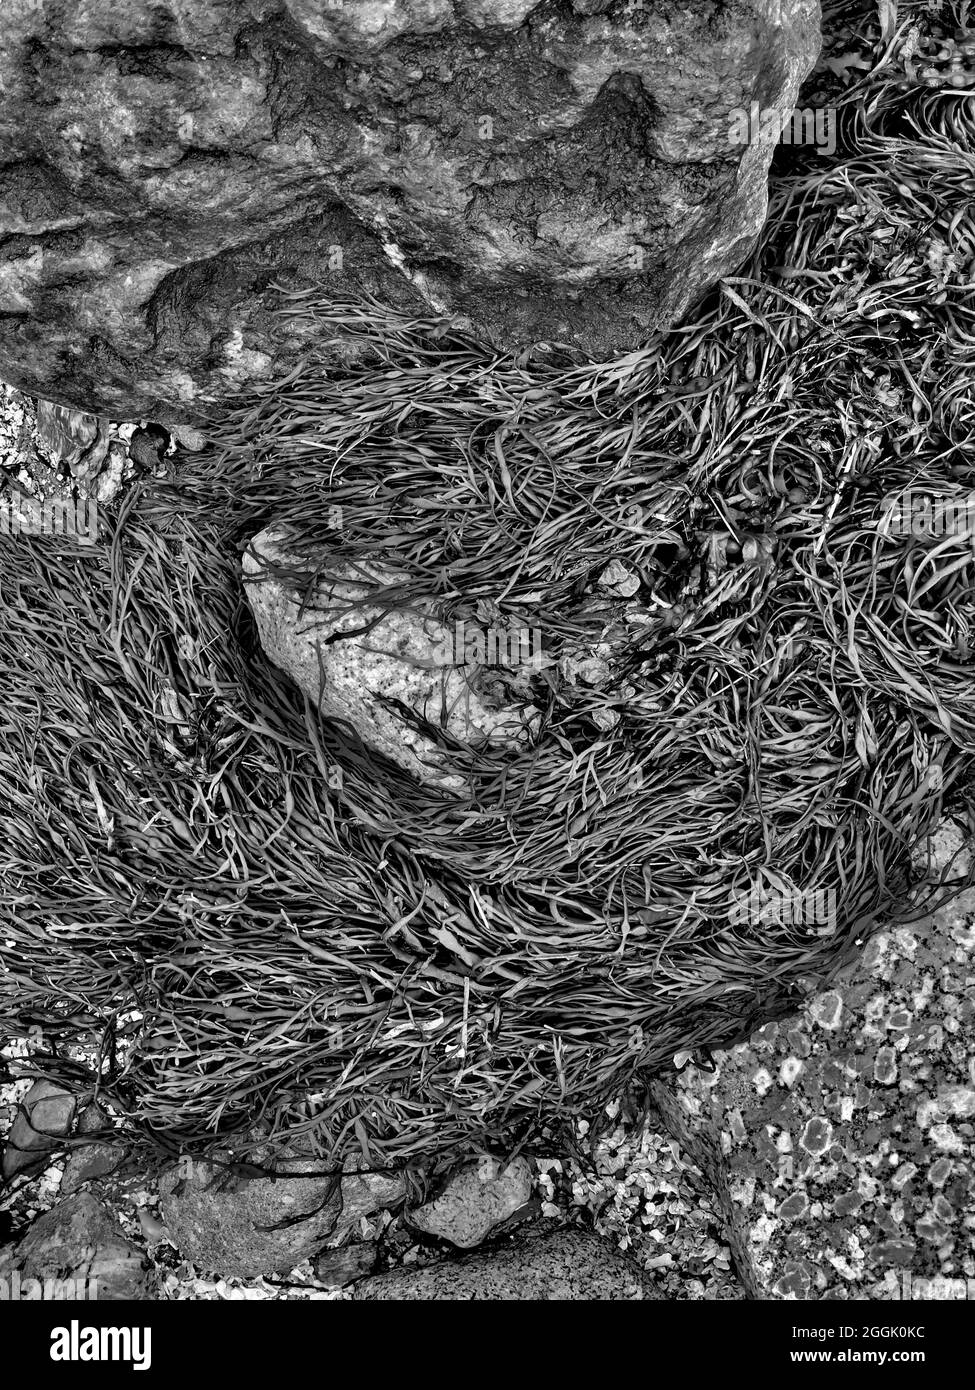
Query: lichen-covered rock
565, 1265
404, 656
538, 171
848, 1129
476, 1198
247, 1226
76, 1251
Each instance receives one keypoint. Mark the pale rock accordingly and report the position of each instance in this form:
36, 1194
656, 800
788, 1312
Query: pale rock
405, 656
476, 1198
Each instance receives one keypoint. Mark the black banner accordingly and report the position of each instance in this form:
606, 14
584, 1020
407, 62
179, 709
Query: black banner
258, 1339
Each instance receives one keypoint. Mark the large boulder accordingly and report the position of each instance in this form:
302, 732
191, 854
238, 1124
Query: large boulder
236, 1224
364, 1194
538, 171
567, 1265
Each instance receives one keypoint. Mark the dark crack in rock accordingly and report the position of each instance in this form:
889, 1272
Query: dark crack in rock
537, 172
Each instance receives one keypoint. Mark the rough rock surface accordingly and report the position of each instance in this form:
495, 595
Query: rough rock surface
45, 1116
849, 1131
78, 1240
540, 171
566, 1265
88, 1162
363, 1194
404, 655
245, 1226
346, 1264
475, 1199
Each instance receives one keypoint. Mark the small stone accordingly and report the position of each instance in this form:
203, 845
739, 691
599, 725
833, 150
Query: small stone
79, 1241
476, 1198
189, 437
64, 435
885, 1222
895, 1252
366, 1193
789, 1071
885, 1066
799, 1042
927, 1112
145, 449
867, 1187
88, 1163
945, 849
817, 1136
945, 1138
604, 718
793, 1207
827, 1009
943, 1209
762, 1081
346, 1264
929, 1228
563, 1265
847, 1203
939, 1171
957, 1100
408, 659
109, 480
238, 1225
43, 1117
903, 1175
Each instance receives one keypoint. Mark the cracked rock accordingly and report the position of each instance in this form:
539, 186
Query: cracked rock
538, 173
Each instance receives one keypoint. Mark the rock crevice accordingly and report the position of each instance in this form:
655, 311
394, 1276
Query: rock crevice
536, 174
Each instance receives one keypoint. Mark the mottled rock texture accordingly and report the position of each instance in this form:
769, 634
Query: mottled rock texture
77, 1240
43, 1119
336, 1268
89, 1162
475, 1199
366, 1193
366, 664
542, 172
247, 1226
564, 1265
849, 1131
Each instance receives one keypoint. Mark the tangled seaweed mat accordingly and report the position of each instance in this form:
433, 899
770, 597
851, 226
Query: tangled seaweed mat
261, 924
